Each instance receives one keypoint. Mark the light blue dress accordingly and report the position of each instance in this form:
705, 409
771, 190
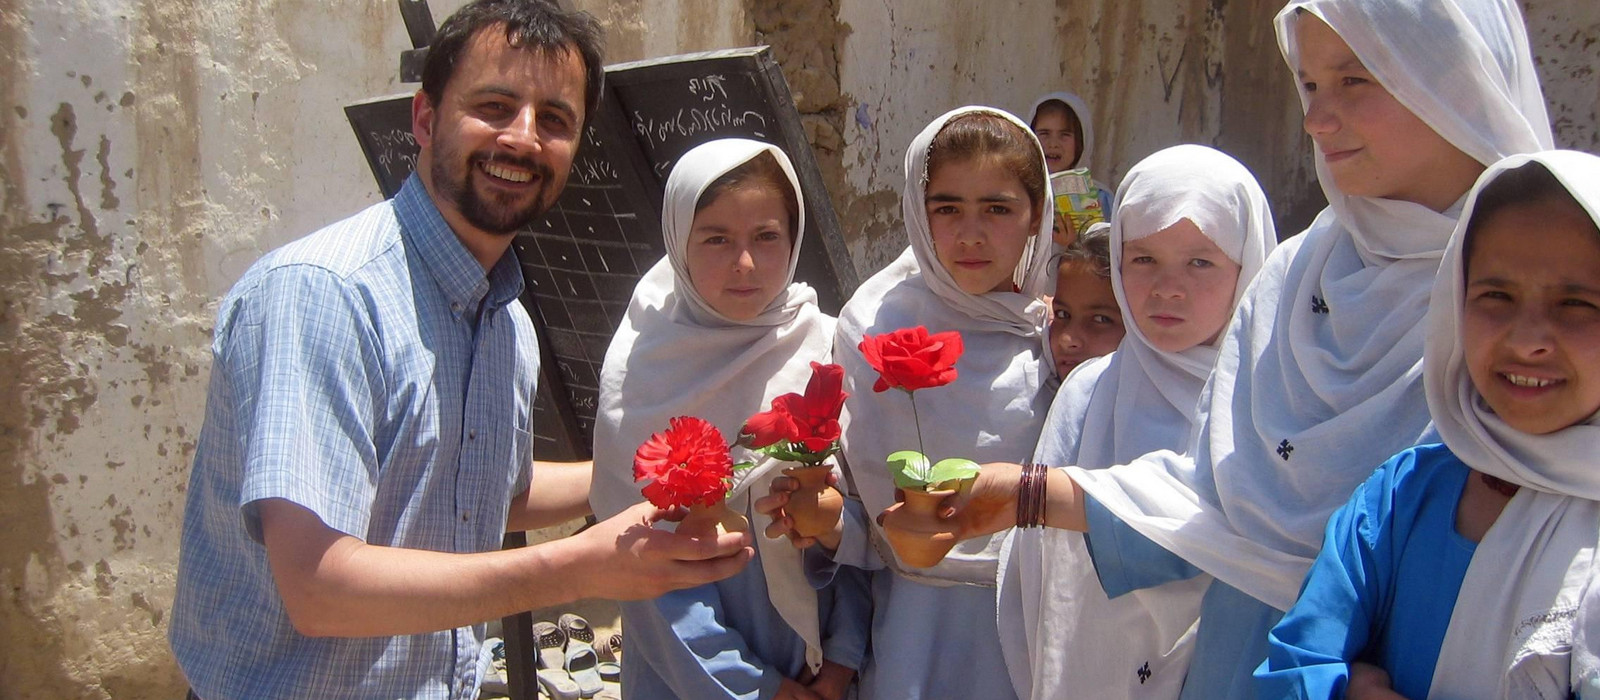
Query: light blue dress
1384, 586
928, 641
726, 640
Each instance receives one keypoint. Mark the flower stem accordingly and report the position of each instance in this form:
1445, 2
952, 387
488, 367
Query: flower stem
917, 422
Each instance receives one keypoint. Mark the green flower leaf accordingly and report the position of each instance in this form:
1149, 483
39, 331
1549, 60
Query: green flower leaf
910, 468
949, 472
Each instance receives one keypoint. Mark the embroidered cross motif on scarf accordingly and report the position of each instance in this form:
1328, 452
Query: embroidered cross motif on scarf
1284, 449
1319, 305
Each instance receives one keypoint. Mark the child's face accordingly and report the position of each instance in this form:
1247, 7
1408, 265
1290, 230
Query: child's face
1060, 142
1530, 328
1373, 145
738, 251
980, 217
1087, 322
1179, 285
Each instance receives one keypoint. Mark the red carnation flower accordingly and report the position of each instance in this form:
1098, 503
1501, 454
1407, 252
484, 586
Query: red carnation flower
687, 464
911, 359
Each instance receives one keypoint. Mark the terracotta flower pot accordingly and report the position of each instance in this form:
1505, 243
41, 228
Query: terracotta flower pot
712, 520
814, 506
916, 532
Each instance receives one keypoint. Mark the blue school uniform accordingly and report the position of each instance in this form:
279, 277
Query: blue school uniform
1384, 587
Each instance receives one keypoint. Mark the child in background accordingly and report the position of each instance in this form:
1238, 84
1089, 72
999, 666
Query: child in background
716, 330
1085, 320
975, 204
1061, 121
1507, 510
1192, 227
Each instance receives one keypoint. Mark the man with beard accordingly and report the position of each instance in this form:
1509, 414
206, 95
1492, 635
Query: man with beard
367, 433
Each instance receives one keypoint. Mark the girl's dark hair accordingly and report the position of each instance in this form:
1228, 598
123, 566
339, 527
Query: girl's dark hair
1092, 248
756, 173
995, 139
533, 25
1067, 112
1529, 183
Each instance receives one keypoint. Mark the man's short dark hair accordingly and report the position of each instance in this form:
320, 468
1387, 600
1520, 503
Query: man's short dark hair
535, 25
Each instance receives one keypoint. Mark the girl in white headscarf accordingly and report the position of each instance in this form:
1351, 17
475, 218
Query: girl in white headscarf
1507, 510
974, 204
1191, 229
717, 329
1318, 378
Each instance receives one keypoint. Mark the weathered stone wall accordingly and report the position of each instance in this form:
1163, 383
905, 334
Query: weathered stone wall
151, 149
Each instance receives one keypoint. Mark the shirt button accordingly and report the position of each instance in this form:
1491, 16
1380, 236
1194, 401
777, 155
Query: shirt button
466, 515
455, 306
472, 434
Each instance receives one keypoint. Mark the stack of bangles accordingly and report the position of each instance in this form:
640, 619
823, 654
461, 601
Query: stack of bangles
1031, 495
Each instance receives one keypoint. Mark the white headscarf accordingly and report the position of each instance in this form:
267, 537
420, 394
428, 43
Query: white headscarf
1085, 119
1318, 378
992, 411
1514, 618
1114, 409
674, 355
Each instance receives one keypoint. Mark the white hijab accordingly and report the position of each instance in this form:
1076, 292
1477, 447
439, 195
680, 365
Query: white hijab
1085, 119
1318, 379
674, 355
991, 412
1117, 408
1516, 613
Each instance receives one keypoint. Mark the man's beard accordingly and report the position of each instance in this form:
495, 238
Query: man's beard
490, 215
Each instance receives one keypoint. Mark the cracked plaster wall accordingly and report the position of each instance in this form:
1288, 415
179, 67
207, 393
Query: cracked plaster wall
1155, 73
151, 149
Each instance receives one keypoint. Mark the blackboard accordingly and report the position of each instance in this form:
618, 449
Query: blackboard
583, 258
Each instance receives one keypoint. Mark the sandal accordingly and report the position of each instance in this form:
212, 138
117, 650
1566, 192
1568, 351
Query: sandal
550, 641
582, 665
576, 627
610, 649
557, 685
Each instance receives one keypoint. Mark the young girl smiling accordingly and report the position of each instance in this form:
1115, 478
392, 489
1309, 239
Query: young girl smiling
1458, 570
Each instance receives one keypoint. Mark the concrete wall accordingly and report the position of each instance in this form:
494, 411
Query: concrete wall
151, 149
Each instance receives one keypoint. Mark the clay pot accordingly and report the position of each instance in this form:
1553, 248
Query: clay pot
916, 532
814, 507
712, 520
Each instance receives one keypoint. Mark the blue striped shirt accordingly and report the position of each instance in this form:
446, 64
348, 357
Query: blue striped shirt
374, 374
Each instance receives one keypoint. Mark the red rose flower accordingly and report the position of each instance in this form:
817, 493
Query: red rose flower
816, 414
769, 427
687, 464
911, 359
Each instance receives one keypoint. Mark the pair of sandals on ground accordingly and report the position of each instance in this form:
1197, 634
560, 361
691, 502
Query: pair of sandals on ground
571, 665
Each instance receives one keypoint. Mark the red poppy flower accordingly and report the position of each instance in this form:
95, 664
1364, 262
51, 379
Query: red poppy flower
911, 359
687, 464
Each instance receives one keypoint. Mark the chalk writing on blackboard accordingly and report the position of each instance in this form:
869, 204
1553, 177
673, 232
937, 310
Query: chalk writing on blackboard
708, 88
696, 121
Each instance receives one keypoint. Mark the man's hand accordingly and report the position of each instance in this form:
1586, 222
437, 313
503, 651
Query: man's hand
1369, 682
772, 505
790, 689
624, 558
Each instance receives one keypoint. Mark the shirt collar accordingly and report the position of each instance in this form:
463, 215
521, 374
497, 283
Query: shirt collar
451, 265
